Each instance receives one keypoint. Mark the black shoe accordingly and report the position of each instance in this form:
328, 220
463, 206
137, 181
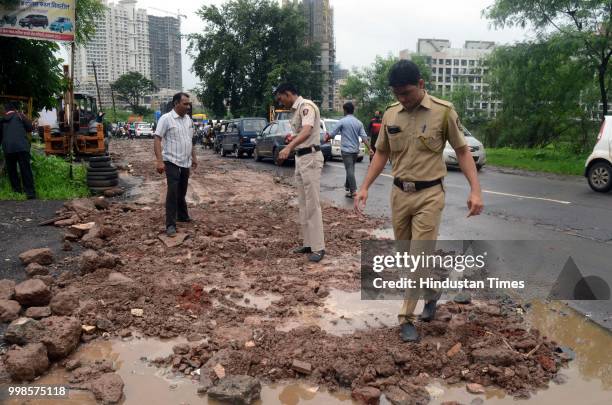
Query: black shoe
302, 249
429, 311
316, 256
408, 332
171, 230
186, 220
350, 194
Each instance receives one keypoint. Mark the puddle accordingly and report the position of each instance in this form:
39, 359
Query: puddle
344, 313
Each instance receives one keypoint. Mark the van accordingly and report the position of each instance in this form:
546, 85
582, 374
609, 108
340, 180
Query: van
598, 167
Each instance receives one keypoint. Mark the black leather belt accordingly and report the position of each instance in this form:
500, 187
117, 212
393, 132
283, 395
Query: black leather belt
412, 186
306, 151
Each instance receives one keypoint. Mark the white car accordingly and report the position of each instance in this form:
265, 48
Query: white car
476, 148
144, 129
328, 126
598, 166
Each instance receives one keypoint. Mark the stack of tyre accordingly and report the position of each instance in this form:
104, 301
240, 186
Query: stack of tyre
101, 174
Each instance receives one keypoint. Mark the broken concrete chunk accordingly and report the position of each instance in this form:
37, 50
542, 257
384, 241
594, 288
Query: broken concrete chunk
64, 303
82, 229
474, 388
139, 312
35, 269
38, 312
237, 390
301, 366
7, 289
108, 388
219, 371
174, 241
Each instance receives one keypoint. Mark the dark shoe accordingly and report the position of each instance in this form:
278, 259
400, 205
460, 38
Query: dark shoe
302, 249
408, 332
349, 195
171, 230
429, 311
187, 220
316, 256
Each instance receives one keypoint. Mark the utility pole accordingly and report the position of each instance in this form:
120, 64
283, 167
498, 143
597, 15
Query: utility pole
97, 86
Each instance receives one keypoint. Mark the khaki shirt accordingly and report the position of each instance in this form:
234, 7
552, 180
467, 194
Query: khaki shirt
305, 112
415, 139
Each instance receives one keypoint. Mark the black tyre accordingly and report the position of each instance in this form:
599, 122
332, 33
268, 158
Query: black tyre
103, 176
103, 172
600, 177
223, 153
100, 159
256, 156
96, 165
237, 153
102, 183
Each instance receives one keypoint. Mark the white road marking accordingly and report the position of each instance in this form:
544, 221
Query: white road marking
484, 191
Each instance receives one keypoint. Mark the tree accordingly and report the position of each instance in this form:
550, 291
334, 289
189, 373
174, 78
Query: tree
588, 22
369, 87
548, 94
246, 49
131, 88
21, 60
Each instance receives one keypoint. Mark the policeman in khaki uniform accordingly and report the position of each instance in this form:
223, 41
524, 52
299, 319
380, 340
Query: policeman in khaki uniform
306, 123
413, 134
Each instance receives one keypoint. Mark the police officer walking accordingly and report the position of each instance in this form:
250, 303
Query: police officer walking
306, 123
413, 134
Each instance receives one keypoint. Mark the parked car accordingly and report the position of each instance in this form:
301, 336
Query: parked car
34, 20
476, 148
329, 126
277, 135
8, 20
239, 138
598, 166
219, 131
61, 24
144, 130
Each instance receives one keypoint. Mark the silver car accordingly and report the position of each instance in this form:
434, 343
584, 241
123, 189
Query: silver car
476, 148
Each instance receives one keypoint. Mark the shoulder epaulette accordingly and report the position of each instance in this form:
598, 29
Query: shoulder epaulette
392, 105
441, 102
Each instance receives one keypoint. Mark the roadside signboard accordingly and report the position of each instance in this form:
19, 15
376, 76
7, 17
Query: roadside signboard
50, 20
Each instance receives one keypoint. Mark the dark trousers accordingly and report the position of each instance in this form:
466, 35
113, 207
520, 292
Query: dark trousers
176, 206
23, 160
349, 160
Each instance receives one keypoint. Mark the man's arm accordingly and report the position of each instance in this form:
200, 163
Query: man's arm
194, 159
468, 167
376, 167
159, 162
364, 137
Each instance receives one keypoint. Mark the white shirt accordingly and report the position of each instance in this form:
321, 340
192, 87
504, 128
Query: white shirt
176, 133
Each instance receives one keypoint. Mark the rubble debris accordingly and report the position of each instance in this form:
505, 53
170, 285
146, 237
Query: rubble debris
26, 363
108, 388
37, 312
9, 310
32, 292
42, 256
64, 303
173, 241
7, 289
237, 390
35, 269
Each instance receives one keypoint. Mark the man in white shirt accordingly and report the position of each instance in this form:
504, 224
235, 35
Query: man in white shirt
175, 155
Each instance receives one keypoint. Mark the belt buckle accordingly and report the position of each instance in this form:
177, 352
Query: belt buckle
408, 186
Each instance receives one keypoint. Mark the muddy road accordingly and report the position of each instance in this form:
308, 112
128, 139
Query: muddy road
172, 321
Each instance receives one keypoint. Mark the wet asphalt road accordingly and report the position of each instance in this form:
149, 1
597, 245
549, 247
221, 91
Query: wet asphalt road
518, 206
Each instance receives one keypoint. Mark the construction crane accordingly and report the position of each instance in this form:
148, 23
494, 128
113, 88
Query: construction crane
177, 14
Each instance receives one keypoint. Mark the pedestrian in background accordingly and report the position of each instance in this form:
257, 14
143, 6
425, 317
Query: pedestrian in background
352, 134
176, 156
306, 123
14, 127
373, 131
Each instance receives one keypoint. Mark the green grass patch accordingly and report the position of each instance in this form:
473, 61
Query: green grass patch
540, 160
51, 179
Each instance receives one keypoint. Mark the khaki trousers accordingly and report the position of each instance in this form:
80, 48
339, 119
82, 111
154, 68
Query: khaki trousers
416, 218
308, 178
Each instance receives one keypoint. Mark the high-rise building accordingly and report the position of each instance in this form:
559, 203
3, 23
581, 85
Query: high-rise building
319, 17
165, 51
129, 40
453, 67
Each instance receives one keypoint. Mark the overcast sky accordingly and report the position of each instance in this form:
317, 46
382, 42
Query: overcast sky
366, 28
